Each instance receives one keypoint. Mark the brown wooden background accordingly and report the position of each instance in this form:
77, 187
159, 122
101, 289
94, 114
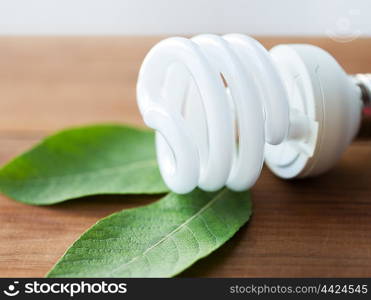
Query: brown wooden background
316, 227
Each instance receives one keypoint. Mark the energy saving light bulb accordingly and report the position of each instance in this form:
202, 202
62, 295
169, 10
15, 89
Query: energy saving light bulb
222, 105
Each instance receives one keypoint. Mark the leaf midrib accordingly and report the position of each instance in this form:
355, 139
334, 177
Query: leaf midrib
169, 235
96, 172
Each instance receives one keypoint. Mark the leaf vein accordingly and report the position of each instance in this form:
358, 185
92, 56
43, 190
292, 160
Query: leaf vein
169, 234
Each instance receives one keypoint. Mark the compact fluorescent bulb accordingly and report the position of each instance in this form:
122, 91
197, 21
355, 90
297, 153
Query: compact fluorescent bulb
222, 105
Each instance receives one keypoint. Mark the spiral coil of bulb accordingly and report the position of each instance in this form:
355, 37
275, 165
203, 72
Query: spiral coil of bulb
214, 102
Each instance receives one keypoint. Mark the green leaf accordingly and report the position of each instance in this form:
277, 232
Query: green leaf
100, 159
157, 240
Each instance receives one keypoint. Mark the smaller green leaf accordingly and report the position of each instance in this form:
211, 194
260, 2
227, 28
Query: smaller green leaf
100, 159
157, 240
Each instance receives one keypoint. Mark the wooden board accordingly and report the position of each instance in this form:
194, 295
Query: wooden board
315, 227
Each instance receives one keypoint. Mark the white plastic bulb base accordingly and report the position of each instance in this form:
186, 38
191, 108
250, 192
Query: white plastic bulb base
222, 105
323, 94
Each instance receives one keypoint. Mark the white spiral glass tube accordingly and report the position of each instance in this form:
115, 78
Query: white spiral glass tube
214, 103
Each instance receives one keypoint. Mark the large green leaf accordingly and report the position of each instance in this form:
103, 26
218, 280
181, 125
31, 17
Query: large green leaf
157, 240
101, 159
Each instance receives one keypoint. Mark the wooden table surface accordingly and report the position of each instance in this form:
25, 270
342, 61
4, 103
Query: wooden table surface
315, 227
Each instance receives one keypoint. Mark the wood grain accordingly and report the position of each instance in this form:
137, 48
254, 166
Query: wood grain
314, 227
